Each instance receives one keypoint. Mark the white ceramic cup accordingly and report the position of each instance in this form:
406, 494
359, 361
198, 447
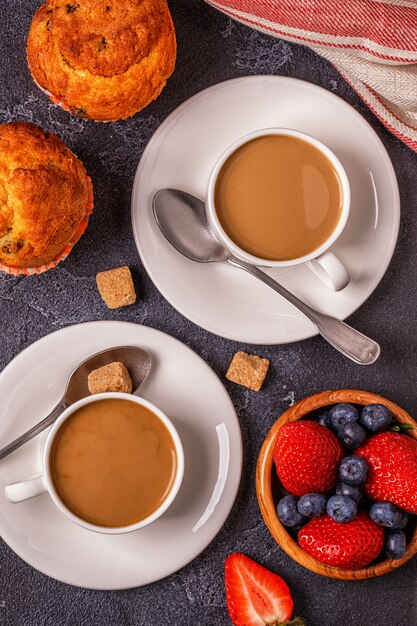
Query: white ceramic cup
322, 261
42, 483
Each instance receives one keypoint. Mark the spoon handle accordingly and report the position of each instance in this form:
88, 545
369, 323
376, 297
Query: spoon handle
35, 430
347, 340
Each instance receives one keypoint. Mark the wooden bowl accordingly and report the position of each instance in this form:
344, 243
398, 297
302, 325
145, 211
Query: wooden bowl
267, 485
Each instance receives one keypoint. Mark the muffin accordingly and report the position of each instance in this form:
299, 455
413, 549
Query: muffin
45, 198
102, 60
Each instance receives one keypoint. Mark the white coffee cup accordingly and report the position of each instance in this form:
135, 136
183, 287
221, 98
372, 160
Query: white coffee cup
43, 483
324, 263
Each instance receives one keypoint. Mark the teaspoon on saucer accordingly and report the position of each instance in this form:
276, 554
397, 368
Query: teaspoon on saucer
137, 361
182, 219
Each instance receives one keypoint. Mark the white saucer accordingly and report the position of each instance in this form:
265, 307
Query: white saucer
188, 391
181, 154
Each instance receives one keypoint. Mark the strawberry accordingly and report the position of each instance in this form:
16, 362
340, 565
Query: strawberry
254, 595
392, 476
306, 457
352, 545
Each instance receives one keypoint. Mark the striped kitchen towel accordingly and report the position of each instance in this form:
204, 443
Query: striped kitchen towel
372, 43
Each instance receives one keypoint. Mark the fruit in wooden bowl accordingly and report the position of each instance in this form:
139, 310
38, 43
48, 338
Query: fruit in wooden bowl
330, 437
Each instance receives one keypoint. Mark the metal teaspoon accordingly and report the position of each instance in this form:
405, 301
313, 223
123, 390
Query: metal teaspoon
137, 361
182, 219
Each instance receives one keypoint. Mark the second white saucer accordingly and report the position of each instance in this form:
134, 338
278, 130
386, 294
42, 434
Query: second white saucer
181, 154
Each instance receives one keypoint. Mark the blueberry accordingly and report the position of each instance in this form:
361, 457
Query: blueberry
288, 512
296, 529
349, 490
395, 544
323, 418
403, 523
375, 418
386, 514
342, 414
341, 509
352, 435
312, 505
353, 470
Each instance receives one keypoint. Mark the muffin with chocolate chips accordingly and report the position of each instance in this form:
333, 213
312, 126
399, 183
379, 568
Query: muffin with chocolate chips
103, 60
45, 199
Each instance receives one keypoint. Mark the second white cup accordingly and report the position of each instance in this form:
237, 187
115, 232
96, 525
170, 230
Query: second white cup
324, 263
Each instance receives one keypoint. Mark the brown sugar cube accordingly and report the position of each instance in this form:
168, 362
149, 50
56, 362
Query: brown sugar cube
111, 377
248, 370
116, 287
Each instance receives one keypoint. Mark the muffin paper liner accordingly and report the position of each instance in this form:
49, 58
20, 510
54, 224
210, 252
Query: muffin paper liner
55, 99
28, 271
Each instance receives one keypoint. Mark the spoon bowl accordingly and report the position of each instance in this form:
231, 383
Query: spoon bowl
137, 361
182, 219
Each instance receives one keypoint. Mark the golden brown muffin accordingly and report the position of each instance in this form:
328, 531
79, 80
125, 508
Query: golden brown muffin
43, 195
102, 59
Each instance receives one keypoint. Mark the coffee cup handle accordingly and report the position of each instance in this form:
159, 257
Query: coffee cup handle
330, 270
18, 492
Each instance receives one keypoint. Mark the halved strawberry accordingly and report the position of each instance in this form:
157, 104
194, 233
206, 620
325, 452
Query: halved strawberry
254, 595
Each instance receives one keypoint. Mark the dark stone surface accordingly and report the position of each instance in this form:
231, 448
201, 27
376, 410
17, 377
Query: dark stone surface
211, 49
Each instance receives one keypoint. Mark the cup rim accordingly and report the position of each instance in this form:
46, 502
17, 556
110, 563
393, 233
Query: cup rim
162, 507
246, 256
